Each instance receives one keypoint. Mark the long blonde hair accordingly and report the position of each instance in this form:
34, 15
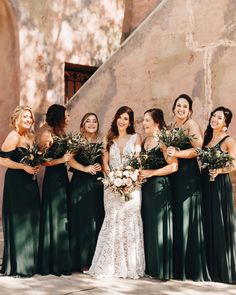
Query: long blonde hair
15, 117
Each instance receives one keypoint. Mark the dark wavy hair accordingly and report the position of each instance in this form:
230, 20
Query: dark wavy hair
185, 96
55, 118
157, 116
209, 131
113, 131
85, 118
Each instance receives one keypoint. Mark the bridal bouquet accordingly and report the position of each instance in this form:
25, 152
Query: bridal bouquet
125, 178
214, 158
174, 137
32, 156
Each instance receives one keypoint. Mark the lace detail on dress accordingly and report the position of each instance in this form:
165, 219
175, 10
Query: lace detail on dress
120, 250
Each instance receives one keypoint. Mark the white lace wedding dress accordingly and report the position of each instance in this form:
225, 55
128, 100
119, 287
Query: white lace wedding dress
120, 250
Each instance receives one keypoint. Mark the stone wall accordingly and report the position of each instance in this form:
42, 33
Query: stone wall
171, 53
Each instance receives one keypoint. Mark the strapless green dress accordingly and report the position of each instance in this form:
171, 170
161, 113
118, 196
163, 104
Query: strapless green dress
20, 218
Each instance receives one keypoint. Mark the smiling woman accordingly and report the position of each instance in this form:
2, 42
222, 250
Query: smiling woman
21, 201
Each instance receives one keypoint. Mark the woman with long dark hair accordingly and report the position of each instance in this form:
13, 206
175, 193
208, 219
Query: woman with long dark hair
119, 251
54, 254
189, 259
218, 208
86, 195
21, 199
157, 199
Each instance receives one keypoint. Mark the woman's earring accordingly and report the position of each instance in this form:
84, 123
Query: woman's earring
224, 129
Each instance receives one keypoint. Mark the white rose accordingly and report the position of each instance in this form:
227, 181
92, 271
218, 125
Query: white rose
126, 173
118, 182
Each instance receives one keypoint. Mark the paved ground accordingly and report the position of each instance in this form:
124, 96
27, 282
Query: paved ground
86, 285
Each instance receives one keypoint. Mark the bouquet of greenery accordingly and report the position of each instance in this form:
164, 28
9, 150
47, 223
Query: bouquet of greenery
214, 158
32, 156
149, 159
67, 144
90, 153
174, 137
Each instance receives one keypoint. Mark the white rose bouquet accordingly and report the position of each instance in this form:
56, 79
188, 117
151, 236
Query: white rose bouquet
123, 180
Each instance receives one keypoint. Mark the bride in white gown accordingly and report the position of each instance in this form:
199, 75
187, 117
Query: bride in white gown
120, 251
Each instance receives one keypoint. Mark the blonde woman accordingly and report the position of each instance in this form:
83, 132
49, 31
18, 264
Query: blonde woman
21, 201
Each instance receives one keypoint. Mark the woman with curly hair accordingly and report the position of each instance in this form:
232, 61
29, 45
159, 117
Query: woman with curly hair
119, 251
54, 254
21, 200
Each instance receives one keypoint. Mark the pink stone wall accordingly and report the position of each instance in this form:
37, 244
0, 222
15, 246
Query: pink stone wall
184, 46
54, 32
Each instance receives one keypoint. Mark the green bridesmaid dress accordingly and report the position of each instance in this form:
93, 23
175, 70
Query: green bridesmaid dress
20, 217
219, 226
189, 257
86, 211
54, 251
157, 219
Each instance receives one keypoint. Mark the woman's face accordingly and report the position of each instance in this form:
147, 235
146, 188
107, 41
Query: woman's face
25, 120
90, 125
217, 120
149, 126
181, 109
123, 122
67, 118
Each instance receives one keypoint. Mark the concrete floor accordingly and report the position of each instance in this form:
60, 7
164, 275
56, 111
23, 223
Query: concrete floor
83, 284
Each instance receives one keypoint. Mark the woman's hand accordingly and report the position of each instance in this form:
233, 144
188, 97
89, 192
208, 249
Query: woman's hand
171, 151
145, 174
98, 167
214, 172
31, 170
90, 169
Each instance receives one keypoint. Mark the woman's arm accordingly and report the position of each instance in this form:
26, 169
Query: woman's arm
87, 169
171, 167
138, 144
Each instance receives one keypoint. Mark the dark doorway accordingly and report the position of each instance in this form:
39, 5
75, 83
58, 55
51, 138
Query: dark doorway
75, 76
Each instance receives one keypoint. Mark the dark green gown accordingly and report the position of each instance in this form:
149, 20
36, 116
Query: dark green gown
86, 215
219, 226
189, 257
54, 252
157, 219
20, 217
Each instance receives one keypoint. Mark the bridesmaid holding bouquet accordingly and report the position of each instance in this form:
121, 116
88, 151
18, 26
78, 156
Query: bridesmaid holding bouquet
157, 198
86, 195
54, 252
189, 258
21, 199
218, 208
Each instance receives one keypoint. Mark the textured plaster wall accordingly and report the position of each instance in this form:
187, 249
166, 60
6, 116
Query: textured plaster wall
184, 46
